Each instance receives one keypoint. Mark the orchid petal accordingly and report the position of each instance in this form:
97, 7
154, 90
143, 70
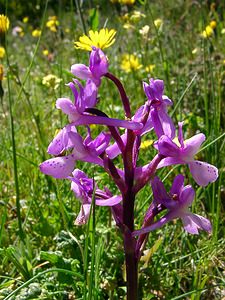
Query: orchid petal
58, 167
162, 221
109, 202
81, 71
186, 196
66, 105
159, 191
83, 215
88, 119
193, 144
203, 173
167, 147
177, 185
169, 161
167, 123
193, 222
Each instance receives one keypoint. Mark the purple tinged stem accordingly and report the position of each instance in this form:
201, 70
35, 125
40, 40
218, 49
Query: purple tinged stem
147, 174
128, 220
123, 95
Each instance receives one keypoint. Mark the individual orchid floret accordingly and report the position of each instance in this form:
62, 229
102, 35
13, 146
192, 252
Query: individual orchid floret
98, 66
162, 123
86, 98
84, 188
176, 202
62, 141
87, 151
183, 153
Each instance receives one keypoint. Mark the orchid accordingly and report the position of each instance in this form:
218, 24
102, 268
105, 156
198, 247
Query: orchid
177, 202
68, 147
98, 66
83, 188
162, 123
203, 173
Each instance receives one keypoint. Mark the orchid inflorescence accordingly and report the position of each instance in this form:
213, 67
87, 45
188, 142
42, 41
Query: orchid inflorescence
102, 150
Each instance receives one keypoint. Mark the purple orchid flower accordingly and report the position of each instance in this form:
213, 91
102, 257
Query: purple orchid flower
87, 151
83, 188
177, 203
162, 123
85, 98
98, 66
203, 173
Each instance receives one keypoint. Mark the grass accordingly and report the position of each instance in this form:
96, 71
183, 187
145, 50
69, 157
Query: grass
43, 254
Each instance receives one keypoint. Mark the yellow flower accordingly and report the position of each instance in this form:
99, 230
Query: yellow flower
45, 52
128, 26
52, 23
224, 61
212, 24
2, 52
67, 30
207, 32
1, 72
51, 81
25, 19
150, 68
223, 31
100, 39
158, 23
130, 63
136, 16
146, 144
128, 2
36, 32
4, 24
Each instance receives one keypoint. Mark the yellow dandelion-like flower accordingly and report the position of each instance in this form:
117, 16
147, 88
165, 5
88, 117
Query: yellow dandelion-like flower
4, 24
45, 52
127, 2
2, 52
158, 23
51, 81
1, 72
146, 144
130, 63
25, 20
150, 68
36, 32
101, 39
212, 24
207, 32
